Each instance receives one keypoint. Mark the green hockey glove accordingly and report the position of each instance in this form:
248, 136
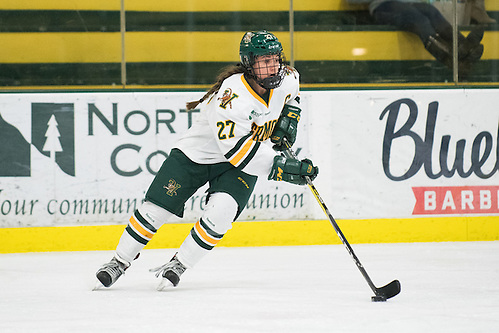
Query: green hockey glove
286, 127
292, 171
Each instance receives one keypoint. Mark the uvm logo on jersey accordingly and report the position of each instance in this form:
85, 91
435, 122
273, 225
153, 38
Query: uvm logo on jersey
172, 187
52, 133
227, 98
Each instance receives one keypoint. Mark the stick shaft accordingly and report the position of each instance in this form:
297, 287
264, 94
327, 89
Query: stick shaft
290, 154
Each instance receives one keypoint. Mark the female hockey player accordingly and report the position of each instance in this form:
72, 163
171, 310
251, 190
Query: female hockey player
243, 121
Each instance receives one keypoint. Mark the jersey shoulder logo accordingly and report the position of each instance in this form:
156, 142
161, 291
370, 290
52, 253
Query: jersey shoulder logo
227, 98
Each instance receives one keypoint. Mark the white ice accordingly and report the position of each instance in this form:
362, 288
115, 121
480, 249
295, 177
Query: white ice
446, 287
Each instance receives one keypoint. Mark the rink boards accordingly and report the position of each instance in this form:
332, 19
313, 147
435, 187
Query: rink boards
395, 166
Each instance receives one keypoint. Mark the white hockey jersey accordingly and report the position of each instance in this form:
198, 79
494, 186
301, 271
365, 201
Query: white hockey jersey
236, 123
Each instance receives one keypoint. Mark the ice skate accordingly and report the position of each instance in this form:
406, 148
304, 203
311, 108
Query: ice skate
170, 273
110, 272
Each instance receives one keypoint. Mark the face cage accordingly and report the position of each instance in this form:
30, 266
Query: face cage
273, 81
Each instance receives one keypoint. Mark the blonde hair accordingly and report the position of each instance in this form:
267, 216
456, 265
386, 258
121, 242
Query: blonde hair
224, 74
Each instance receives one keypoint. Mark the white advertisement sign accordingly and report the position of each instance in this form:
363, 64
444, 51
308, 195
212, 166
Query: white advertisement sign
407, 153
88, 158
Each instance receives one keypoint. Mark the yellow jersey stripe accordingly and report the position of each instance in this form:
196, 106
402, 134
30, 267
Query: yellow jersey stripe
242, 152
258, 97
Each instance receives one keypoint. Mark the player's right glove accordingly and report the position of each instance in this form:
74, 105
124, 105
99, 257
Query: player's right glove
292, 171
286, 127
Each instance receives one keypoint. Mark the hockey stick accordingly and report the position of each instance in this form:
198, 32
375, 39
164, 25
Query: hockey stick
382, 293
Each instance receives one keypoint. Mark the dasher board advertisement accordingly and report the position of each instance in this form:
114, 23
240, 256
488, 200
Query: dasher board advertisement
88, 158
407, 153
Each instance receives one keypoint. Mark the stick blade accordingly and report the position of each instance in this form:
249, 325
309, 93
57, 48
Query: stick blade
390, 290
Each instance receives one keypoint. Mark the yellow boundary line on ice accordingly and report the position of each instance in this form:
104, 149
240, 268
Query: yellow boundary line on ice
272, 233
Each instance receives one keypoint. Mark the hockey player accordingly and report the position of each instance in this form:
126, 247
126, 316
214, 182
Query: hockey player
235, 140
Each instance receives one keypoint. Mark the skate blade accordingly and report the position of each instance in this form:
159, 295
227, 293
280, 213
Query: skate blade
98, 286
164, 284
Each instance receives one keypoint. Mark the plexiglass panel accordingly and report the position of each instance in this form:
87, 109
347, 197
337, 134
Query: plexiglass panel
145, 43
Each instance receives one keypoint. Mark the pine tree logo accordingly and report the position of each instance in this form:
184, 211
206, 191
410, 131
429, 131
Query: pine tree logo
52, 144
52, 133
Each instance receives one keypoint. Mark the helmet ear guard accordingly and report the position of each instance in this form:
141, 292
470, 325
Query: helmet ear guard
261, 43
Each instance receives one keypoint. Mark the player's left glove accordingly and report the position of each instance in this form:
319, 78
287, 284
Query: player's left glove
292, 170
286, 127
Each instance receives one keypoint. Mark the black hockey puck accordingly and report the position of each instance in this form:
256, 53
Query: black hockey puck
378, 298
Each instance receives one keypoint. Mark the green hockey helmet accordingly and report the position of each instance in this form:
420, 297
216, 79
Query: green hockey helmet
261, 43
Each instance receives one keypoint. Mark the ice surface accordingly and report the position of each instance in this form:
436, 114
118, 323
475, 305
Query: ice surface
446, 287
